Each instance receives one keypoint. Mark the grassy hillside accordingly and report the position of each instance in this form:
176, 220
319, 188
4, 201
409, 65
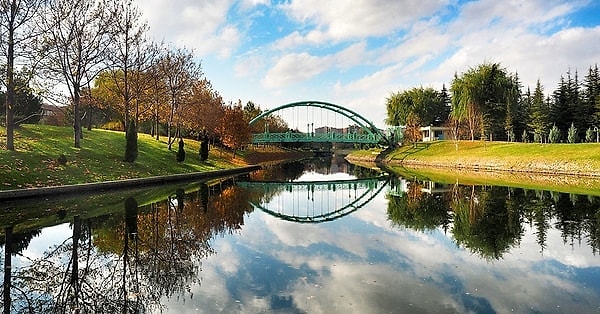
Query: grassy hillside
100, 158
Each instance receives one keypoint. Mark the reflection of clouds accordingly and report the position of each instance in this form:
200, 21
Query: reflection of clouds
361, 264
314, 176
49, 237
364, 288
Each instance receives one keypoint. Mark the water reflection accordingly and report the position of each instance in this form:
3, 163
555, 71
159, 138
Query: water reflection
490, 220
124, 261
247, 245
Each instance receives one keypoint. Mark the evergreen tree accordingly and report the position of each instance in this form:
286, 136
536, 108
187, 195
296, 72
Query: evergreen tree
203, 139
517, 106
538, 117
524, 137
131, 143
589, 135
204, 150
446, 103
181, 151
572, 135
564, 109
591, 95
554, 135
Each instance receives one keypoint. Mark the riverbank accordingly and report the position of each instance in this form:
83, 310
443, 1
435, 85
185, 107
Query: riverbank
37, 160
556, 159
531, 166
106, 186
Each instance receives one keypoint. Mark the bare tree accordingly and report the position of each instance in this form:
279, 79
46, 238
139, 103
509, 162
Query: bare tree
130, 57
19, 34
79, 39
180, 72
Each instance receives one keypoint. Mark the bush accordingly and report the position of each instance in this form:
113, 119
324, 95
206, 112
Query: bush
180, 151
511, 135
589, 135
204, 150
62, 159
572, 136
524, 137
554, 135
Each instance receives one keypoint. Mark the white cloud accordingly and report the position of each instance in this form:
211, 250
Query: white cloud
356, 53
199, 26
295, 67
341, 20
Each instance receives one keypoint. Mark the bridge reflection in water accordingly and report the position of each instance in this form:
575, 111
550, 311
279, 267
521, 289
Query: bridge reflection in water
315, 201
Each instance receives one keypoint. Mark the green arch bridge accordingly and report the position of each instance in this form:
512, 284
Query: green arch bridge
317, 201
368, 133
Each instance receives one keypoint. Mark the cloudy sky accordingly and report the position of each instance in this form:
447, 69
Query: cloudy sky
355, 53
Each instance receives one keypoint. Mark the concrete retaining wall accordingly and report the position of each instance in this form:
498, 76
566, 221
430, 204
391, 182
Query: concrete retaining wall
112, 185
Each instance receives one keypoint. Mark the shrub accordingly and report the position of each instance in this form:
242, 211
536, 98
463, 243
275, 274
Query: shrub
204, 150
62, 159
181, 151
589, 135
511, 135
554, 135
572, 136
524, 137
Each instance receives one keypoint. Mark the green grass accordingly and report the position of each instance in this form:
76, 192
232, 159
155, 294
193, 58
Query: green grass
34, 163
577, 159
570, 168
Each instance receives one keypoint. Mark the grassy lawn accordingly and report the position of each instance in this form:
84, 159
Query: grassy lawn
100, 158
581, 158
570, 168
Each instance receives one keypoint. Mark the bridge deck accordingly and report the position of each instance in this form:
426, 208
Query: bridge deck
330, 137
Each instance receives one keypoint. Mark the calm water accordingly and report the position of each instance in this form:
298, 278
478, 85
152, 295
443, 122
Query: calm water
317, 236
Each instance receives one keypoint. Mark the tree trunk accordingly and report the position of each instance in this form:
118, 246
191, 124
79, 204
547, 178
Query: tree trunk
10, 79
76, 119
8, 234
74, 280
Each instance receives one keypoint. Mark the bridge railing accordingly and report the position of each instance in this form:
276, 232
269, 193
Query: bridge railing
329, 137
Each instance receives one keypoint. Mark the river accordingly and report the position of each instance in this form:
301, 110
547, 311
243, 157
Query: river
311, 236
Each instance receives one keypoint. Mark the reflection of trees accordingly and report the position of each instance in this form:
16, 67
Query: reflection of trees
126, 263
484, 222
488, 220
69, 278
280, 172
417, 210
13, 245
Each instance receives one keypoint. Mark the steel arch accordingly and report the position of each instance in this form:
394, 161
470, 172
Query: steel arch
365, 124
345, 210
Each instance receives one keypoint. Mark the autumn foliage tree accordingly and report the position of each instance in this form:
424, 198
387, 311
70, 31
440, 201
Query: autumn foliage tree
235, 129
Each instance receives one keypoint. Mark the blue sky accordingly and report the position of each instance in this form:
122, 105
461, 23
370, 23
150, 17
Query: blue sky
355, 53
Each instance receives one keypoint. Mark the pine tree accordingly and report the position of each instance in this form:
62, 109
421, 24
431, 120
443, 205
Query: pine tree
562, 110
539, 113
554, 135
591, 94
572, 135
